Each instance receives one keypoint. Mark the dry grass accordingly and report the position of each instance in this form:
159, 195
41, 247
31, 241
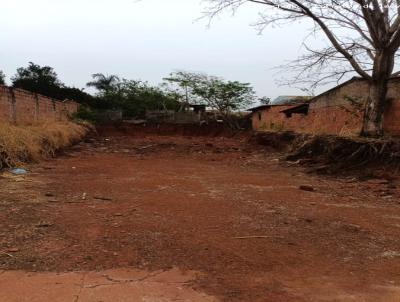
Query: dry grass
30, 143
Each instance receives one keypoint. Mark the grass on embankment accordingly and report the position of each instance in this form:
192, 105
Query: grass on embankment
29, 143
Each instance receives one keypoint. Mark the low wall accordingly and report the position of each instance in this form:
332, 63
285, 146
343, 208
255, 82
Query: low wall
21, 106
170, 116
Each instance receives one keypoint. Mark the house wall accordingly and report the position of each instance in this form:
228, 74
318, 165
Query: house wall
391, 122
21, 106
271, 118
337, 112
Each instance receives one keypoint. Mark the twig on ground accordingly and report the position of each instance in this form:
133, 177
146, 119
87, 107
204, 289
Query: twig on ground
9, 255
102, 198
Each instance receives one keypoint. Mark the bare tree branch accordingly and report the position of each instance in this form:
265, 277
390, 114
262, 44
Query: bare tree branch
364, 38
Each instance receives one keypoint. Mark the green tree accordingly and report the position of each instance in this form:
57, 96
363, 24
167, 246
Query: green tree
133, 97
182, 84
76, 94
213, 91
2, 78
140, 97
103, 83
226, 97
43, 80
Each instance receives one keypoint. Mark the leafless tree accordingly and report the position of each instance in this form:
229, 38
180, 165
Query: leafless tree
362, 34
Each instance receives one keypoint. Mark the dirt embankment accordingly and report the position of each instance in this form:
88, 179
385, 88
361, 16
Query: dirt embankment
322, 153
335, 154
210, 130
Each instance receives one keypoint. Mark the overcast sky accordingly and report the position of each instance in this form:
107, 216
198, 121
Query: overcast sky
145, 40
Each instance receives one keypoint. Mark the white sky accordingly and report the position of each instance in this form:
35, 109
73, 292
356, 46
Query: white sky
145, 40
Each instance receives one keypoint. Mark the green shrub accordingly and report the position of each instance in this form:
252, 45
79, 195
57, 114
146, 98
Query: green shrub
86, 114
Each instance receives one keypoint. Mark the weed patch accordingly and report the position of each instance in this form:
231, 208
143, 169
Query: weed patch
30, 143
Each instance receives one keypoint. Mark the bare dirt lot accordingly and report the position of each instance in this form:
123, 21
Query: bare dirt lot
227, 212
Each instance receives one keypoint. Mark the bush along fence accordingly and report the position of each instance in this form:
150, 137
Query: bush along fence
21, 106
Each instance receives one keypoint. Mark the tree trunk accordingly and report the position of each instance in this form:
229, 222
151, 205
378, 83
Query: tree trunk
376, 103
375, 107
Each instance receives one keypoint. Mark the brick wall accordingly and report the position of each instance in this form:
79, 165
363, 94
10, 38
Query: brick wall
4, 103
343, 120
391, 122
338, 111
21, 106
271, 118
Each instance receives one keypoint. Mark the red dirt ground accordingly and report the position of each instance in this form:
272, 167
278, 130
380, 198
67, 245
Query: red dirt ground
218, 206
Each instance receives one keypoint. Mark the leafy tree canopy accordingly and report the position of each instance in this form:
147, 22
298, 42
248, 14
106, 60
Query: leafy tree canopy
216, 93
131, 96
103, 83
44, 80
225, 97
182, 83
37, 79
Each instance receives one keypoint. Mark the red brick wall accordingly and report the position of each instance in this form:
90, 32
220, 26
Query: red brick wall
343, 119
271, 118
22, 106
337, 112
4, 103
391, 122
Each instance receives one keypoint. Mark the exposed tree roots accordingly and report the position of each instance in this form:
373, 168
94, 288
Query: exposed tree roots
334, 153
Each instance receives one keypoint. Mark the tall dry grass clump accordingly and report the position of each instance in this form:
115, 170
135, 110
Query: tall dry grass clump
30, 143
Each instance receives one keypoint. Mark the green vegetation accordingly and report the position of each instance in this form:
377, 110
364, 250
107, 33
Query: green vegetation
214, 92
85, 113
103, 83
132, 97
225, 97
135, 97
182, 83
44, 80
180, 89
